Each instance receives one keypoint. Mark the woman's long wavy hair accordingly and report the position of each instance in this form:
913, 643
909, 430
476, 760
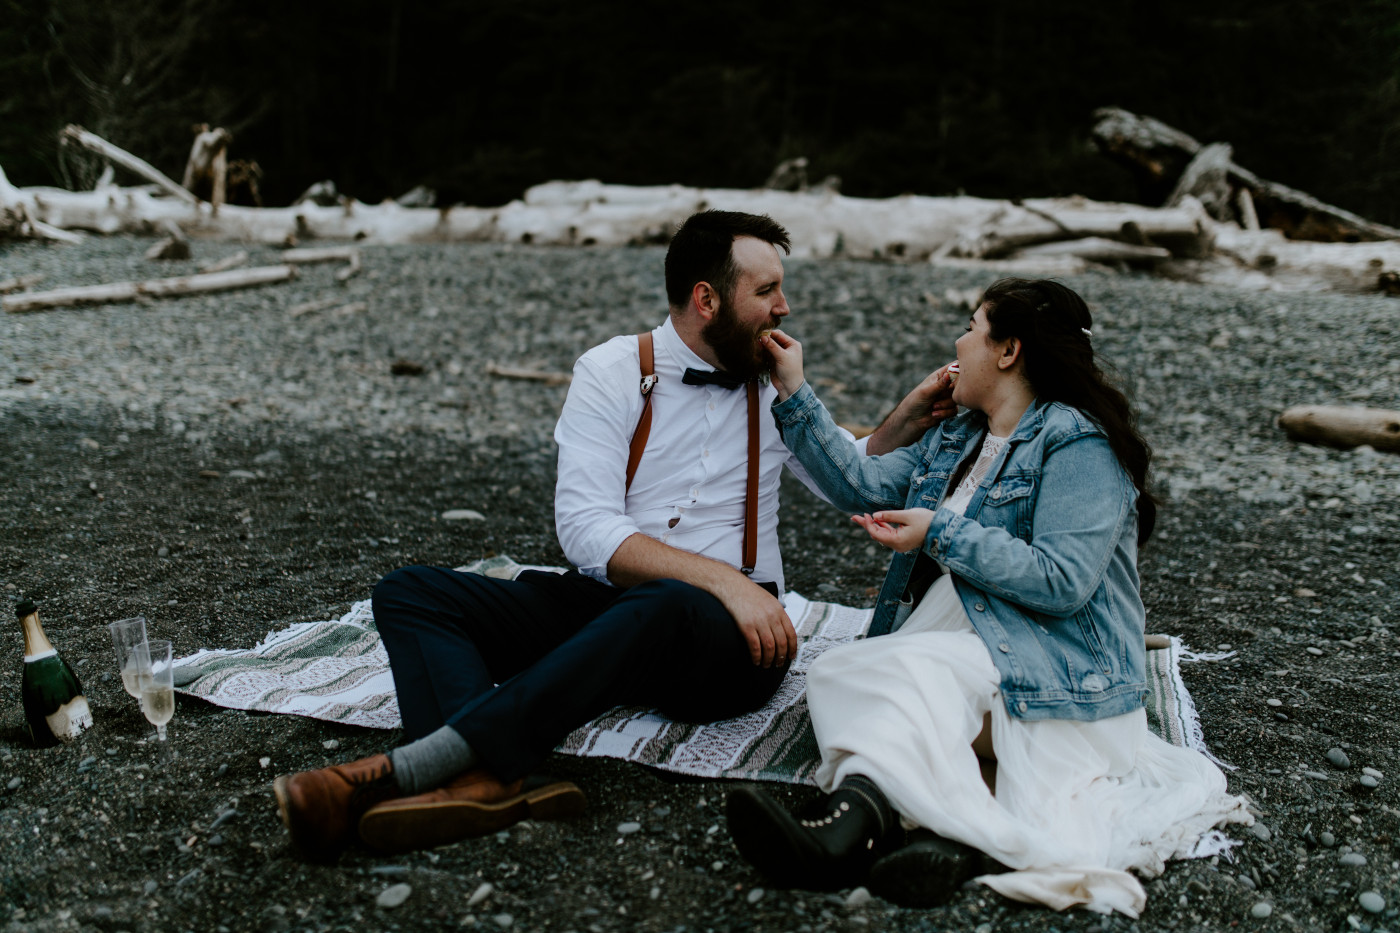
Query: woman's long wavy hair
1051, 322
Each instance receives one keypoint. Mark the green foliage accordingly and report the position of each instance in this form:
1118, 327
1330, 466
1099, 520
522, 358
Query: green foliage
481, 98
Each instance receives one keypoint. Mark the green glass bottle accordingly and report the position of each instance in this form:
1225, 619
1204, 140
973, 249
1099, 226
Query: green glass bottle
55, 709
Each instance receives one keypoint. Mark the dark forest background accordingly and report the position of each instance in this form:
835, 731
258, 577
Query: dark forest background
482, 98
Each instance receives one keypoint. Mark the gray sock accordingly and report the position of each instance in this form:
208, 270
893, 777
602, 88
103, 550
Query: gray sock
431, 761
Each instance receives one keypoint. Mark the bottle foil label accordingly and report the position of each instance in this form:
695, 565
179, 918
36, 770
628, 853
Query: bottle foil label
70, 719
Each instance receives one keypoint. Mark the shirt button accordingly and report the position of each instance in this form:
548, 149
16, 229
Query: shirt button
979, 607
1004, 647
707, 453
1022, 706
711, 406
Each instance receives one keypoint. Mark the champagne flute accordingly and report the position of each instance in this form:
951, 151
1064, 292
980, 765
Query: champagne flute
126, 635
156, 670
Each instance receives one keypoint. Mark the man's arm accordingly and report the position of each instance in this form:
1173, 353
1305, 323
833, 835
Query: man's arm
930, 402
760, 616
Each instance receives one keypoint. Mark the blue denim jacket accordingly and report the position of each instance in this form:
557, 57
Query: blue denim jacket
1044, 560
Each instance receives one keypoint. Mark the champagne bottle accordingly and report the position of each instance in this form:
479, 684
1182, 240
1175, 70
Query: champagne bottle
55, 709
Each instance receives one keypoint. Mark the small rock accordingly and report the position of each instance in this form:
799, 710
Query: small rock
755, 895
626, 829
716, 866
15, 783
393, 896
264, 762
1368, 782
1261, 910
1371, 901
503, 920
1315, 652
406, 368
482, 892
216, 840
1372, 772
1352, 860
242, 474
661, 812
1327, 839
150, 888
1245, 880
1338, 758
389, 871
857, 898
1274, 702
208, 474
1261, 832
462, 515
1317, 775
162, 551
331, 745
268, 456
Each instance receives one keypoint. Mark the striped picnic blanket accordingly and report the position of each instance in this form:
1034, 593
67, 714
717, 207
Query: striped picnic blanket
337, 670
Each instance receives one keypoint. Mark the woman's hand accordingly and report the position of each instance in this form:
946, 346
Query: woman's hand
930, 402
899, 529
787, 363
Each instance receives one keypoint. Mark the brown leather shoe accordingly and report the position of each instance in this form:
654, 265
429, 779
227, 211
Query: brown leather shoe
322, 807
474, 804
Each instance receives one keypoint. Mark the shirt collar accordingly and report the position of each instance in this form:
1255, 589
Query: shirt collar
670, 341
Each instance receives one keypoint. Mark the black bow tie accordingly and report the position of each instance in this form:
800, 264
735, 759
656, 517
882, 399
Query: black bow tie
699, 377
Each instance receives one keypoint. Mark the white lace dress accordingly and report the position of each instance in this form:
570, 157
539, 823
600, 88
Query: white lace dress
1077, 804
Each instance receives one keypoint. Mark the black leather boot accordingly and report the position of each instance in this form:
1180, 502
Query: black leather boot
928, 870
829, 844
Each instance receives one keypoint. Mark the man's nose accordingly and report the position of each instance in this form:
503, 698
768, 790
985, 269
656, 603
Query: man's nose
781, 309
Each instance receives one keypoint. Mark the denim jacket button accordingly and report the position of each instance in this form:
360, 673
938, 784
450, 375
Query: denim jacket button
1005, 648
996, 492
980, 608
1022, 706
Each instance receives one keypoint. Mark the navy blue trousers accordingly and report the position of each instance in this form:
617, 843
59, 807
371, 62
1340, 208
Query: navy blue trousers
516, 665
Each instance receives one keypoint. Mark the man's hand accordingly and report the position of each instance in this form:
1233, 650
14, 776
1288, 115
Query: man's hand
930, 402
897, 529
762, 621
758, 614
787, 363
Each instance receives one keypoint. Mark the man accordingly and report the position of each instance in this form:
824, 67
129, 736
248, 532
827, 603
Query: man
492, 674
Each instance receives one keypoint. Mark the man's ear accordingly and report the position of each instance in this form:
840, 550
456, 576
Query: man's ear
706, 300
1010, 353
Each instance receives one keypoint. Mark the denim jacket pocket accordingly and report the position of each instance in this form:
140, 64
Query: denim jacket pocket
1009, 505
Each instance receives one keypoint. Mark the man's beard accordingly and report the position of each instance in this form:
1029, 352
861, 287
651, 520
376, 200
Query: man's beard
736, 345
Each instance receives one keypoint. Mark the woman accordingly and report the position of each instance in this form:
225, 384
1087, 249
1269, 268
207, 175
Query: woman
1005, 711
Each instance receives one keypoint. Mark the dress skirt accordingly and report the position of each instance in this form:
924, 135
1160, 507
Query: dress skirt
1077, 804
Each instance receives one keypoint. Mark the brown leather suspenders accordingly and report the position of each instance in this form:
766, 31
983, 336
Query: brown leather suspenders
639, 436
643, 431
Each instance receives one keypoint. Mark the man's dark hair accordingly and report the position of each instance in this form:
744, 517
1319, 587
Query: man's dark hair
702, 251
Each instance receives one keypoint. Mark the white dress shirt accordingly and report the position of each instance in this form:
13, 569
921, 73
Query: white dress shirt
689, 489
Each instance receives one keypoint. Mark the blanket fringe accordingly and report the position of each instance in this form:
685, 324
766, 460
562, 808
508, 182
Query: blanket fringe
1195, 734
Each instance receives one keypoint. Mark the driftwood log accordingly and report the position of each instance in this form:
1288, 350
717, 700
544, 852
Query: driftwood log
117, 292
1160, 154
1343, 427
207, 166
76, 135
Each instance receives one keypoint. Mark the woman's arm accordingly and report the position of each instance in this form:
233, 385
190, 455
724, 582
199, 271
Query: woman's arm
1084, 507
